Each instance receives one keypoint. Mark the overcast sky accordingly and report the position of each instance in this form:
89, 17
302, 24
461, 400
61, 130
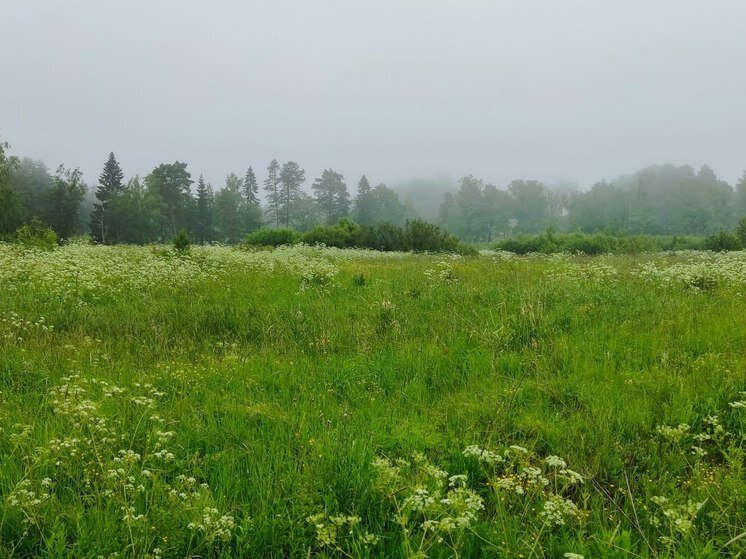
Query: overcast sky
397, 89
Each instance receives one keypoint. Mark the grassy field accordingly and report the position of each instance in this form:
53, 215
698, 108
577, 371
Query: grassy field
314, 402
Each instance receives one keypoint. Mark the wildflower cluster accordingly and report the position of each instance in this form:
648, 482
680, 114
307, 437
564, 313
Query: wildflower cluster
712, 438
565, 268
675, 519
341, 533
16, 330
697, 270
443, 272
519, 479
432, 507
84, 274
140, 484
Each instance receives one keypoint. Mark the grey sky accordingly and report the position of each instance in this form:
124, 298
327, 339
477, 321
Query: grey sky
396, 89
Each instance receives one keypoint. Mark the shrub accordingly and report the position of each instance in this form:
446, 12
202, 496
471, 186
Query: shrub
182, 243
384, 236
344, 234
722, 242
521, 244
550, 242
422, 236
588, 244
273, 237
36, 235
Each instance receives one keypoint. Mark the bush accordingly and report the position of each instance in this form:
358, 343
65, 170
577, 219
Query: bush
550, 242
722, 242
36, 235
521, 244
422, 236
384, 236
589, 244
273, 237
182, 243
344, 234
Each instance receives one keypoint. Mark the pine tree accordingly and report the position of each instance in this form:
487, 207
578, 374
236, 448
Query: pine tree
364, 211
272, 186
205, 208
291, 178
250, 187
332, 195
110, 183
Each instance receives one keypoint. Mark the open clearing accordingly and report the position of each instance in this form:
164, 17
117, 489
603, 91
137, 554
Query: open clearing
318, 402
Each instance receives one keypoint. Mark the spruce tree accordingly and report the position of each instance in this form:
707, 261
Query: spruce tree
250, 187
272, 186
110, 183
205, 205
364, 211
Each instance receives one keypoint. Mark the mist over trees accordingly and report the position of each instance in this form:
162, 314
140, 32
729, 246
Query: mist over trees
657, 200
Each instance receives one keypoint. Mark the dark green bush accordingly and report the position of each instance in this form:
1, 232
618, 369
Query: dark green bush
343, 234
384, 236
722, 242
273, 237
182, 243
521, 244
36, 235
417, 236
421, 236
550, 242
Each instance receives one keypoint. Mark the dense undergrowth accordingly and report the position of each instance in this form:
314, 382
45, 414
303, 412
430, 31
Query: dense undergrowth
309, 401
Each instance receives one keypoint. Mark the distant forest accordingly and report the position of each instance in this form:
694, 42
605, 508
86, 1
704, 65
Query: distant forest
661, 199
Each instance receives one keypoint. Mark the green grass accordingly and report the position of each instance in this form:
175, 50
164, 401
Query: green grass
278, 386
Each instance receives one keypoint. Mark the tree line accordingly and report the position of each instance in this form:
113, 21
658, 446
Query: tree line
658, 200
167, 201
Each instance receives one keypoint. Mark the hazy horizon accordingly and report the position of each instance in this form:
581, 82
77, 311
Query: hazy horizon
577, 91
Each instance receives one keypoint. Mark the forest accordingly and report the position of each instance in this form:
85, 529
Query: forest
656, 200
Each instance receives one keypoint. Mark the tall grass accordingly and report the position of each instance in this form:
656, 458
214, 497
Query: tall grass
318, 402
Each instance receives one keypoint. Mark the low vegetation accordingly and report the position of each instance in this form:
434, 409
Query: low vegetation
415, 236
307, 401
551, 242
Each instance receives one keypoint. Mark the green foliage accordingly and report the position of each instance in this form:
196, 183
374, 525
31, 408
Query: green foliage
63, 201
312, 402
344, 234
169, 184
110, 184
291, 178
551, 242
741, 231
331, 195
723, 242
421, 236
182, 243
36, 235
416, 236
204, 228
273, 237
379, 205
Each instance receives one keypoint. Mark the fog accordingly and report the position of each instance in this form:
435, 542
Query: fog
574, 90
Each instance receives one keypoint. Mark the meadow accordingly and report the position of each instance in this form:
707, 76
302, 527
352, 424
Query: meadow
318, 402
